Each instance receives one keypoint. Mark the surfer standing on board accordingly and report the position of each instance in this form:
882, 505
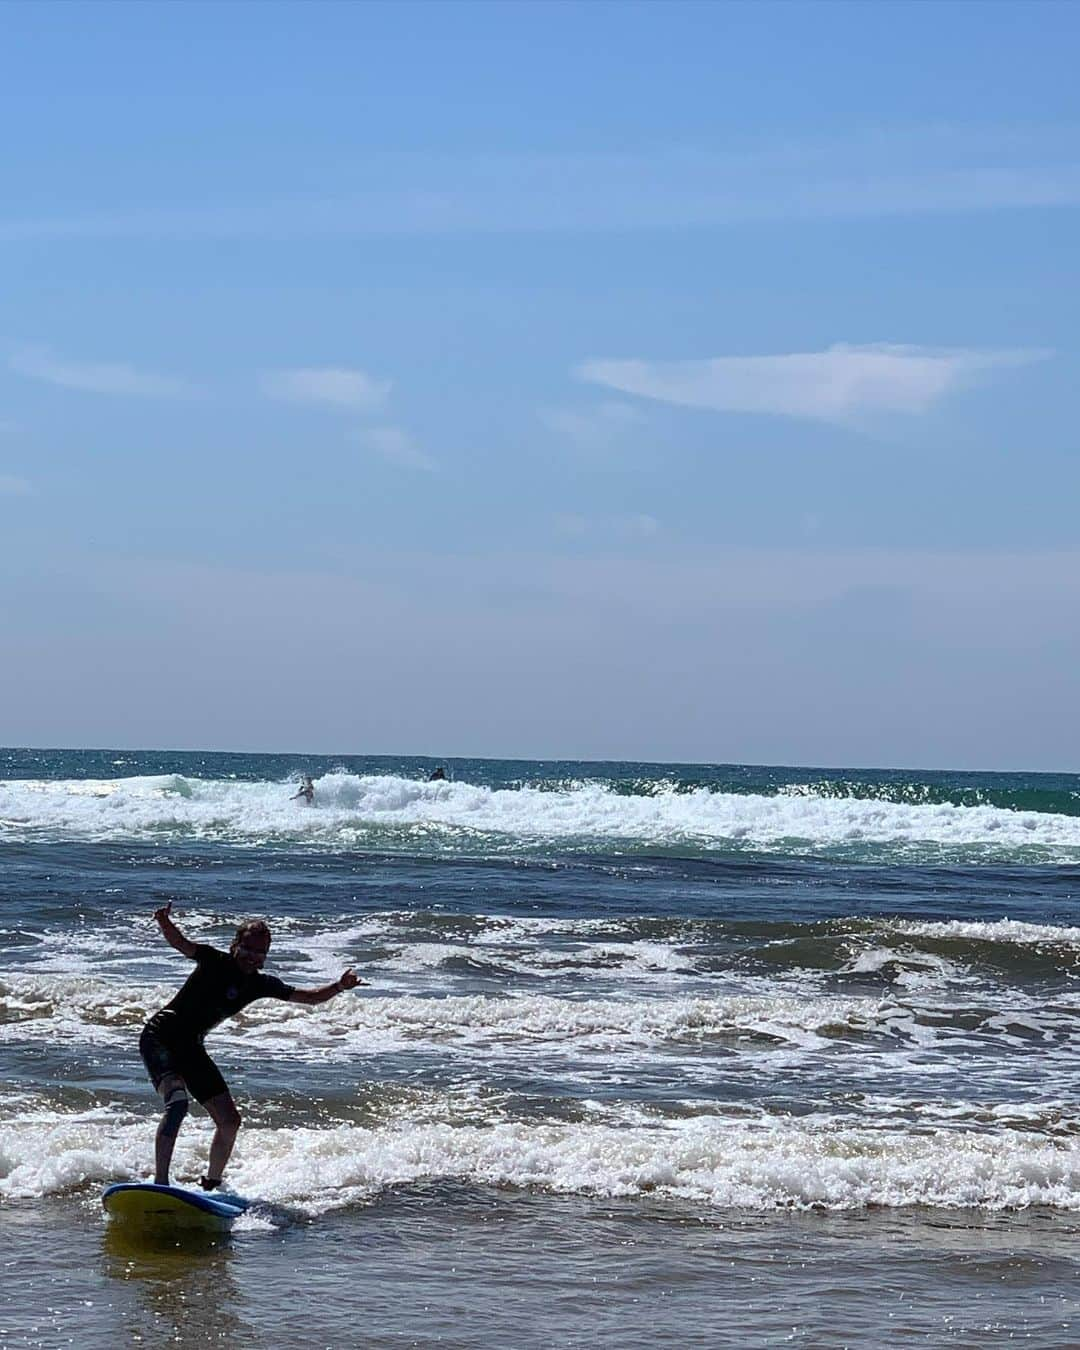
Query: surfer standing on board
171, 1044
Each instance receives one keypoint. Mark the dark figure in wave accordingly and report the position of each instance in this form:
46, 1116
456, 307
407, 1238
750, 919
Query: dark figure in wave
307, 790
171, 1044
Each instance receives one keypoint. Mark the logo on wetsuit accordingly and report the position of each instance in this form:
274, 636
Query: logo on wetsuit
232, 993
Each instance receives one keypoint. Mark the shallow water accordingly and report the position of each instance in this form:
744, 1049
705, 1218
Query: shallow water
476, 1267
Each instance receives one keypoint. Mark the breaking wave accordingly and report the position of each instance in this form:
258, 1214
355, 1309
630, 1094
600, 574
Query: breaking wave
394, 813
704, 1163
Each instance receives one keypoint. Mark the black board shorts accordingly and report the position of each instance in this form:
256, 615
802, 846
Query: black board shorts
185, 1057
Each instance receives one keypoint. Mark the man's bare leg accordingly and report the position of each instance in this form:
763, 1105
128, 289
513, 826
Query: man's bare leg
222, 1111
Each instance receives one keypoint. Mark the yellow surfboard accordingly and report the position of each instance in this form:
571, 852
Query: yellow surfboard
144, 1204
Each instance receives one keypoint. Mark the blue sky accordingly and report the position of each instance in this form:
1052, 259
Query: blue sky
678, 381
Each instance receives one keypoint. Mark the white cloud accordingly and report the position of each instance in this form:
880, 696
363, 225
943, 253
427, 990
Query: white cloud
14, 487
336, 385
594, 428
95, 377
396, 446
830, 385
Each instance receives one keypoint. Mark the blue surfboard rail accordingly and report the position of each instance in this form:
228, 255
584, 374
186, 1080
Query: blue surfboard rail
149, 1203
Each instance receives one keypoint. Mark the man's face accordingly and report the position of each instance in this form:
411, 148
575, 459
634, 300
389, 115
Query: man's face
250, 952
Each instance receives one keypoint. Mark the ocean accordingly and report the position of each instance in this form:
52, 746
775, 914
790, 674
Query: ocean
712, 1055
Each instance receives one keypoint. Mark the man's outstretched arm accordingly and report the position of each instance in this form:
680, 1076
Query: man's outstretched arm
173, 935
312, 996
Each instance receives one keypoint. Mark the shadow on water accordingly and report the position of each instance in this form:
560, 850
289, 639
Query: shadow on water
185, 1288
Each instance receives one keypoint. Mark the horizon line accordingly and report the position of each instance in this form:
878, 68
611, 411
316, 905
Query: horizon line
531, 759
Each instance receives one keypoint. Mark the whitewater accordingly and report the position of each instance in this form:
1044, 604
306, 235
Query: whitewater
352, 810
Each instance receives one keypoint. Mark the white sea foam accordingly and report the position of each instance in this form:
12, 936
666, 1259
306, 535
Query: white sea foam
912, 971
999, 930
50, 1008
635, 960
73, 1006
703, 1162
349, 807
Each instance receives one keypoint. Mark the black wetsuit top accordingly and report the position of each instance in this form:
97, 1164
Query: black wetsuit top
217, 988
172, 1041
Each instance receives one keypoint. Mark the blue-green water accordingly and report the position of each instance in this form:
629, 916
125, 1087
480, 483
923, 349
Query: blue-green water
627, 1028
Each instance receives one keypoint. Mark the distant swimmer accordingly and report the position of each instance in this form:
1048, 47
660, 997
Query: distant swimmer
438, 776
171, 1044
307, 791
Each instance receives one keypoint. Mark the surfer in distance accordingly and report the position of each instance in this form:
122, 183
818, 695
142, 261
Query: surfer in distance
438, 775
307, 790
171, 1044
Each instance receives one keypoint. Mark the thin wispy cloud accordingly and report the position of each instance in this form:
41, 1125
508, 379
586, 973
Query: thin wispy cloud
335, 386
918, 171
595, 428
396, 446
830, 385
97, 377
15, 487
